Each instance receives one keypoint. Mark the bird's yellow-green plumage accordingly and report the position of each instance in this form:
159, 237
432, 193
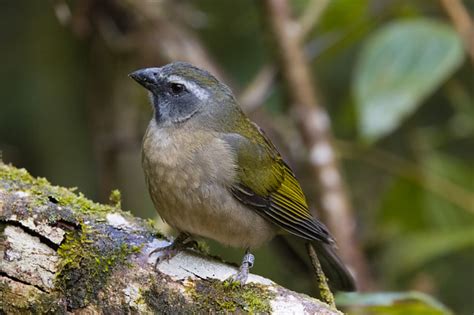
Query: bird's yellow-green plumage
267, 184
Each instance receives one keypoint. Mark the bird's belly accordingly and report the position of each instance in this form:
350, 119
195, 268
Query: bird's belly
190, 195
208, 210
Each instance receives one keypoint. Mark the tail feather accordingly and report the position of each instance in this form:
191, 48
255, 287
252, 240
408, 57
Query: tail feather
339, 277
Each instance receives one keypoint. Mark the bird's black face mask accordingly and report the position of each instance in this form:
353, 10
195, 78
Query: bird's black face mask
174, 104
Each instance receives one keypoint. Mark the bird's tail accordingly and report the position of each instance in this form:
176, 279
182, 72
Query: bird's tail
339, 277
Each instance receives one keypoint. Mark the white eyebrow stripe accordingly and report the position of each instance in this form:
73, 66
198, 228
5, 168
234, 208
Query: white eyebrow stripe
198, 91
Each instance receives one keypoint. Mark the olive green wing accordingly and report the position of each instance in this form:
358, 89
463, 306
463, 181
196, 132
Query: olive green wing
267, 185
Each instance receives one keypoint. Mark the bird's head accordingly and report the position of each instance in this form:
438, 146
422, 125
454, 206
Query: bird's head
181, 92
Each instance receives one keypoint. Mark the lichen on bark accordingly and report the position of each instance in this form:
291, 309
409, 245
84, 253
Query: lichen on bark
61, 252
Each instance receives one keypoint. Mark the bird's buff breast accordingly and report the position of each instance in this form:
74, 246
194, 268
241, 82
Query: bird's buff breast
188, 174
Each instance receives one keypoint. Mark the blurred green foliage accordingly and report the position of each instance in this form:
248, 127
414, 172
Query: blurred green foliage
391, 303
398, 67
394, 79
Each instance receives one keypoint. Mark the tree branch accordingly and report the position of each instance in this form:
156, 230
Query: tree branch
62, 252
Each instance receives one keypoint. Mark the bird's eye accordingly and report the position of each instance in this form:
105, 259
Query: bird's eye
177, 88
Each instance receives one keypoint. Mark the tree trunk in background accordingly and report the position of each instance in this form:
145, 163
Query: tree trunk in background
315, 129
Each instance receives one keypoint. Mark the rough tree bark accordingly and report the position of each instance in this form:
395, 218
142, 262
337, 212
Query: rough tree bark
62, 253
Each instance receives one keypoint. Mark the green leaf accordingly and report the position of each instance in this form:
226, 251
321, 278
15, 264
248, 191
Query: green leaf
414, 303
398, 67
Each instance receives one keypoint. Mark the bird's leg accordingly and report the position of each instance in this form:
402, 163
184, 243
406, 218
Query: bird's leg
247, 263
181, 242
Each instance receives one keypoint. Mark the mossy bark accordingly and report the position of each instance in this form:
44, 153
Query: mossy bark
61, 253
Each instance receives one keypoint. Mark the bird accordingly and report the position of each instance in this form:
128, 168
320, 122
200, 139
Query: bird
212, 173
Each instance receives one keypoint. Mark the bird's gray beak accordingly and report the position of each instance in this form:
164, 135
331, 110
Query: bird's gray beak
147, 77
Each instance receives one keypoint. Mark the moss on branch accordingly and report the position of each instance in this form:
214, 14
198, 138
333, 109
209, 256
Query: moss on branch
63, 252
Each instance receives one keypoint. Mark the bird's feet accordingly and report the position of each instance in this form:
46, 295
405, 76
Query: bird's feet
242, 275
181, 242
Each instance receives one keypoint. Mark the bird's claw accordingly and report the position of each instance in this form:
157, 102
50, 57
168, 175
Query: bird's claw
182, 241
243, 274
167, 254
240, 278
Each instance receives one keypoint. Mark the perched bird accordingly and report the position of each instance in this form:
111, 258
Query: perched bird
213, 173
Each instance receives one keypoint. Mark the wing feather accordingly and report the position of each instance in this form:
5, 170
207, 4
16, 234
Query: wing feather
267, 185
